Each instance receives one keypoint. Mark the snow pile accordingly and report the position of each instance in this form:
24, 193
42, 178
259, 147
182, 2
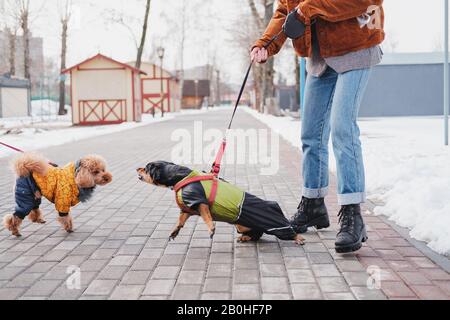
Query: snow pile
407, 172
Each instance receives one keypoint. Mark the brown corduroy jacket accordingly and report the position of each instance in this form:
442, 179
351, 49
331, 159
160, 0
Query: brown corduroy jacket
338, 29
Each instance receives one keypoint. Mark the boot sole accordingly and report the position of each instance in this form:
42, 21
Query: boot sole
318, 223
354, 246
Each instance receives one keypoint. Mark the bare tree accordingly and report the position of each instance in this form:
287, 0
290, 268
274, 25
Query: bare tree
130, 23
24, 20
65, 15
12, 38
140, 50
263, 75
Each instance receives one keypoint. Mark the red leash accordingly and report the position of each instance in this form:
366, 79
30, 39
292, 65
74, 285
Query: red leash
216, 165
21, 151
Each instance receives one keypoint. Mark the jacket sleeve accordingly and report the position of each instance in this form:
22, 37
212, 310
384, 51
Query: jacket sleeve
63, 199
336, 10
274, 27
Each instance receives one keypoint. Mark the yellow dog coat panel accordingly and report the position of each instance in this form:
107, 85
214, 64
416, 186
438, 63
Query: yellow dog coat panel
59, 187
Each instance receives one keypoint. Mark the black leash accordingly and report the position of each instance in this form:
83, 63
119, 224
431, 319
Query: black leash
274, 38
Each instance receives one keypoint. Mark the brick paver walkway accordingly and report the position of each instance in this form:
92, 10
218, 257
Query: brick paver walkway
121, 239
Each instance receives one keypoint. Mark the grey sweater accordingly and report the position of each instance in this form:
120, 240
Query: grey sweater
366, 58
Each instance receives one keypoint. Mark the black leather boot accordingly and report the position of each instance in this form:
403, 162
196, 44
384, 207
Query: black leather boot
310, 213
353, 231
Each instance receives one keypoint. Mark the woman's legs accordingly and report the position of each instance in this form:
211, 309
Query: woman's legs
349, 91
316, 133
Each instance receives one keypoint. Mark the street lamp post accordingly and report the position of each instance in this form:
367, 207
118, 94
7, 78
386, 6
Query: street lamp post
446, 76
160, 52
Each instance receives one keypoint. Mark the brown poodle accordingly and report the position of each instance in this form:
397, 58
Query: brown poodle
65, 187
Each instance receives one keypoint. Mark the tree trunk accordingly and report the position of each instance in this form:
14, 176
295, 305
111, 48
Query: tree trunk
257, 76
62, 82
12, 52
268, 87
26, 45
143, 36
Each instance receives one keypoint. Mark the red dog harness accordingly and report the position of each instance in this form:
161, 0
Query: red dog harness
211, 177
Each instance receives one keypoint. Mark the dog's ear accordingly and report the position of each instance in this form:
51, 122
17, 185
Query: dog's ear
84, 178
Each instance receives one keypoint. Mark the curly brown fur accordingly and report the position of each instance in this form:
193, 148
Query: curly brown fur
36, 216
67, 223
30, 162
92, 172
12, 223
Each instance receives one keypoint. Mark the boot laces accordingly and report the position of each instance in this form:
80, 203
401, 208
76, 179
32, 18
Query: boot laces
346, 220
301, 208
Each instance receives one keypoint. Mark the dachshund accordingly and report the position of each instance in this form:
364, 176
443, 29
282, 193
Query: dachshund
251, 216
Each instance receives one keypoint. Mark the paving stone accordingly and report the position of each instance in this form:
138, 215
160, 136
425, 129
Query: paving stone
127, 292
246, 292
274, 285
144, 264
297, 263
320, 257
221, 296
339, 296
159, 287
186, 292
112, 272
325, 270
219, 270
396, 289
136, 277
100, 288
306, 291
246, 276
191, 277
273, 270
344, 265
301, 276
356, 278
217, 285
414, 278
10, 293
429, 292
333, 284
171, 260
195, 264
166, 272
43, 288
23, 280
122, 261
364, 293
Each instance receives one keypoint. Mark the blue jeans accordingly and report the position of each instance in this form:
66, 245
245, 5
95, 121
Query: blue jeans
332, 103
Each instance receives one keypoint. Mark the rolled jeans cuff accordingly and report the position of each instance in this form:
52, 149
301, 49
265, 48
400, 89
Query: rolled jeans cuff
315, 193
351, 198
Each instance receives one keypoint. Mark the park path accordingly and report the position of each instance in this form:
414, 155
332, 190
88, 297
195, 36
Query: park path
121, 239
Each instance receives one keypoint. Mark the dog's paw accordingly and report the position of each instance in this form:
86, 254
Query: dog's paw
243, 239
299, 240
212, 232
174, 234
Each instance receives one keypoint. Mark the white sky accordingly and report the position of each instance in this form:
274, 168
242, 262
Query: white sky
411, 26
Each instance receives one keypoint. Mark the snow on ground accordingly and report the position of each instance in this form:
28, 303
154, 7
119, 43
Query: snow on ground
407, 171
40, 131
